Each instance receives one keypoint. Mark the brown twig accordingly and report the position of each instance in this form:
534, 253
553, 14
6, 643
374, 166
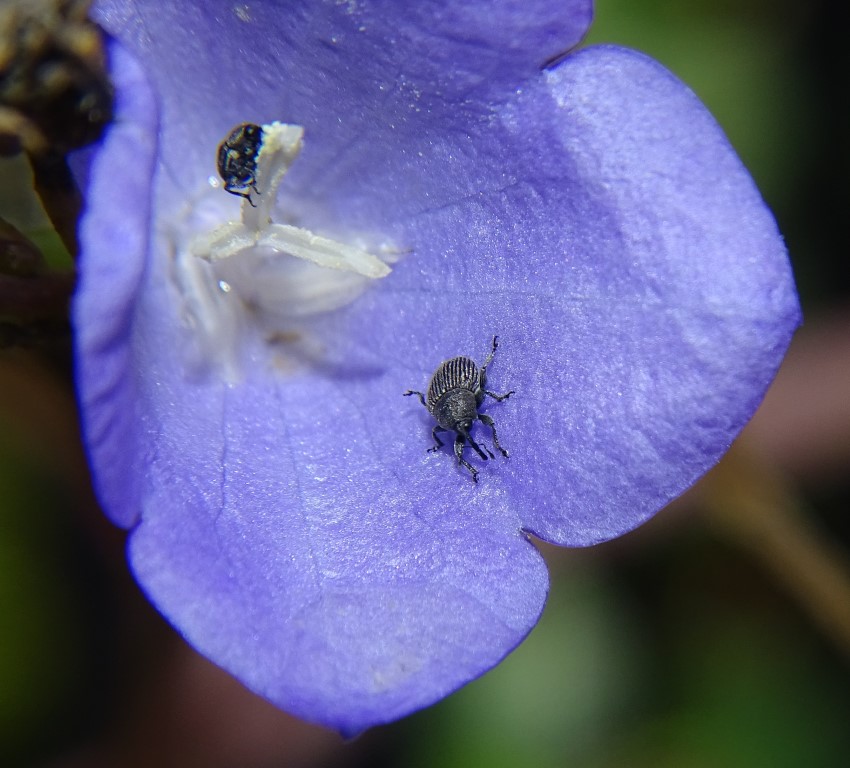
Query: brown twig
761, 511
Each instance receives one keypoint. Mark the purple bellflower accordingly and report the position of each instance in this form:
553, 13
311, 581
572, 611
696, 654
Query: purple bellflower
432, 174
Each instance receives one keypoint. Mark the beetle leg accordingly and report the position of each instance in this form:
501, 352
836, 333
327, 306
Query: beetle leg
439, 443
235, 191
419, 394
459, 441
479, 446
475, 446
483, 417
489, 357
483, 376
499, 398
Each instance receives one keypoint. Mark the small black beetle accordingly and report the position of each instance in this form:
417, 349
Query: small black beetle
237, 160
455, 392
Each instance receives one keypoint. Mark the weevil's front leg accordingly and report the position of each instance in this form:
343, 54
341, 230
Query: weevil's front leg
475, 446
459, 443
483, 417
438, 443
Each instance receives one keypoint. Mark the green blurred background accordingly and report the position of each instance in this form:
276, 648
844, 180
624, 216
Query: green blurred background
713, 636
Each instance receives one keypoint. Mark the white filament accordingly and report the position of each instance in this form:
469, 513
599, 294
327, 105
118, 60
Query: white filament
281, 145
254, 271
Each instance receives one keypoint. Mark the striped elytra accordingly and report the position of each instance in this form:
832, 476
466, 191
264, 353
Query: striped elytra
457, 373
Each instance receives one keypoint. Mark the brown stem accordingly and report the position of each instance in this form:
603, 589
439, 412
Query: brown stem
25, 299
59, 195
753, 505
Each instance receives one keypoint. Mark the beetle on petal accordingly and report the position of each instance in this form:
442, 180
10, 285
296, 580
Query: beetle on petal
455, 392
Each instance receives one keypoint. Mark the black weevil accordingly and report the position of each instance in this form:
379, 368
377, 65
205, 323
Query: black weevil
237, 160
455, 392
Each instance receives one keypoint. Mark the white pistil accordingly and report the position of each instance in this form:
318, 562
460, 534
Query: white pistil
281, 145
253, 273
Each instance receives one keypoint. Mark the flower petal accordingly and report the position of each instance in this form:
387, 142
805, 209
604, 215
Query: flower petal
340, 67
672, 343
345, 609
115, 237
